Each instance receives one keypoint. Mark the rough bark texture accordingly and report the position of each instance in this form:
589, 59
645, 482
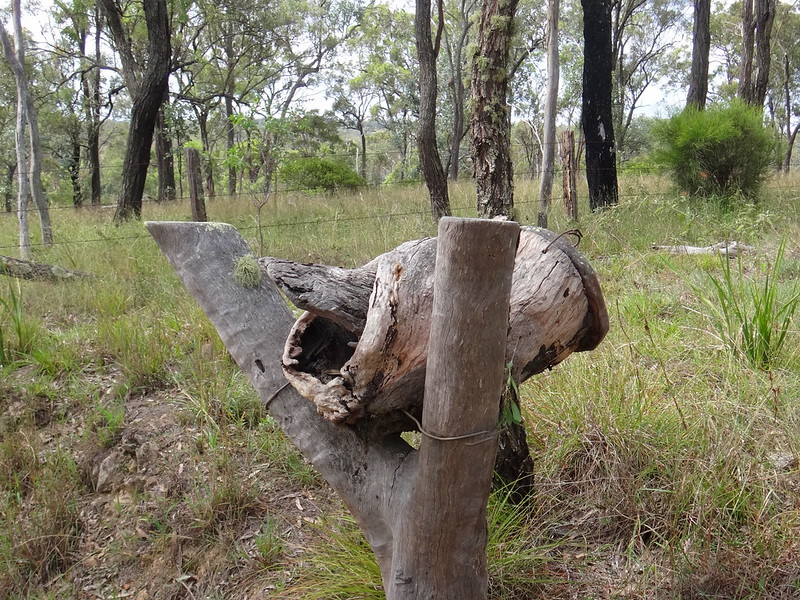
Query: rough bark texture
376, 372
491, 127
196, 197
25, 269
765, 17
597, 118
430, 161
422, 511
757, 19
746, 59
701, 45
147, 87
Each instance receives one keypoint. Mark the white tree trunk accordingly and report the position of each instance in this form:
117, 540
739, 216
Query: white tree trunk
550, 107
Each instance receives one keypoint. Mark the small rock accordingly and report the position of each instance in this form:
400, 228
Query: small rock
109, 468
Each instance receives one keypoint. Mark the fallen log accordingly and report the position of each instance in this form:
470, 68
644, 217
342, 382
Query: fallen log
729, 249
25, 269
360, 350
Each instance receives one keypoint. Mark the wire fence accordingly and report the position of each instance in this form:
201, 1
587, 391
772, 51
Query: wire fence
339, 219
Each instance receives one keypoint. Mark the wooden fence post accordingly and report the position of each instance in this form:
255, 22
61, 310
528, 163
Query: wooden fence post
569, 172
463, 387
196, 198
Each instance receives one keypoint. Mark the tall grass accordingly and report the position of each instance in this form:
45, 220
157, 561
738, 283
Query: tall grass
752, 318
664, 469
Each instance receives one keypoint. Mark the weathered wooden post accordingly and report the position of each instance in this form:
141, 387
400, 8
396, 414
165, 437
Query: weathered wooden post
569, 173
445, 511
389, 345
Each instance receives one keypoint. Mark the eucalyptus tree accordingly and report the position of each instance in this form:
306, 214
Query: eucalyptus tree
758, 17
384, 62
456, 36
353, 101
701, 47
252, 62
27, 139
643, 37
79, 26
428, 46
597, 118
783, 99
145, 71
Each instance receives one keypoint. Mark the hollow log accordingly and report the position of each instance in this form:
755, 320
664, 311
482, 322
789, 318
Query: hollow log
377, 371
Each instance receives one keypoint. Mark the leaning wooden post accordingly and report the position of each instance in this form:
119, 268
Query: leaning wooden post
463, 386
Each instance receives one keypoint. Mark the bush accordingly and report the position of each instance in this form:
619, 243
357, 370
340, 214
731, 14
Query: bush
319, 174
719, 152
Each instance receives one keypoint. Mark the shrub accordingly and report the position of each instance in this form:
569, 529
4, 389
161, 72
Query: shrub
719, 152
319, 174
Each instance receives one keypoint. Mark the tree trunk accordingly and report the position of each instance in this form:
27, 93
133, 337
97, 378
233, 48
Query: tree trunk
147, 89
422, 511
74, 168
430, 161
491, 126
11, 168
597, 118
745, 91
26, 122
765, 17
701, 45
550, 109
164, 158
196, 198
93, 122
21, 148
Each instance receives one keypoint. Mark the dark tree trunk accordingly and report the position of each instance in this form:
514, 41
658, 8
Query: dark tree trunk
746, 59
93, 118
165, 159
75, 174
11, 169
701, 45
597, 118
430, 161
147, 88
491, 127
362, 165
765, 17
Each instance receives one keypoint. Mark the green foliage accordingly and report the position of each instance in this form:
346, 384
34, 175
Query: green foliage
752, 318
719, 152
13, 320
247, 272
319, 174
